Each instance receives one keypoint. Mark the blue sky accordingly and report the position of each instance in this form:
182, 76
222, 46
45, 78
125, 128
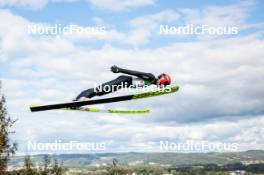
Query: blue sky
221, 76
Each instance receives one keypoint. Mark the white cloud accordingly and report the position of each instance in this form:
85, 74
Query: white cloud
247, 134
114, 5
144, 27
141, 29
33, 4
30, 4
14, 28
107, 35
119, 5
220, 80
215, 82
231, 15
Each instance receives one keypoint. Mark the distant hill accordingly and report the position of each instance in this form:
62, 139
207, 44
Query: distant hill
172, 159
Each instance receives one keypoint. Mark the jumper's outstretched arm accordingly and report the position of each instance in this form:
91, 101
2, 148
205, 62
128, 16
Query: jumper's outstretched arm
143, 75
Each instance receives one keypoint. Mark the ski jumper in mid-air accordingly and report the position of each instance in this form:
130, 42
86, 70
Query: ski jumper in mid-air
136, 79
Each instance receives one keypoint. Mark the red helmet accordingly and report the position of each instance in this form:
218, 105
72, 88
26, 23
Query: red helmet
164, 79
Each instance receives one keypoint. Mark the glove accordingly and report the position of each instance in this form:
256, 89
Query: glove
114, 69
